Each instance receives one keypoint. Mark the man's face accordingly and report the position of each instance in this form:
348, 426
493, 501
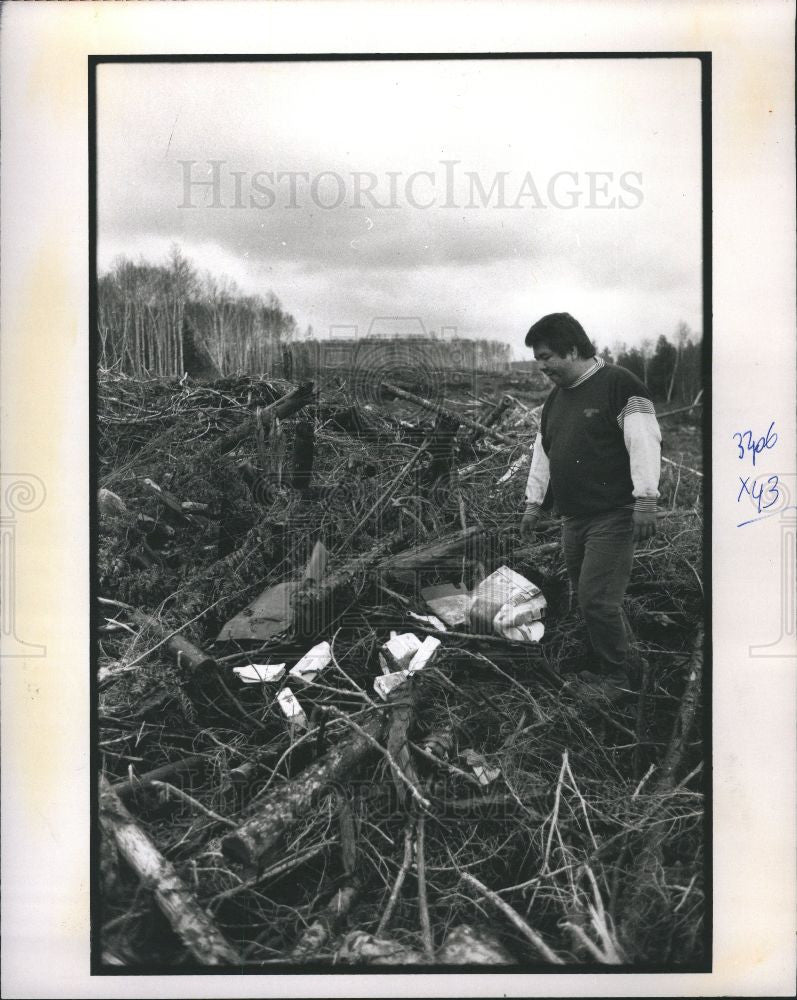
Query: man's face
560, 370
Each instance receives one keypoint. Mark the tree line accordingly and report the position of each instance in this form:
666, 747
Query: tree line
144, 311
152, 317
673, 372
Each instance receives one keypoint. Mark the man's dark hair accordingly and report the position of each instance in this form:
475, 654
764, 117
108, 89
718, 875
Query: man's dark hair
560, 332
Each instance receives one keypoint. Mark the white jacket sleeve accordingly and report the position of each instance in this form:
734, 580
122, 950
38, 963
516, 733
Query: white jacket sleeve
539, 477
642, 438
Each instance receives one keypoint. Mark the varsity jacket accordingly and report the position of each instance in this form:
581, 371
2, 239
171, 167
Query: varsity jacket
598, 447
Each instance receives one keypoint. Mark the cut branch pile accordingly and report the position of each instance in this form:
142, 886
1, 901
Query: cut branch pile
253, 815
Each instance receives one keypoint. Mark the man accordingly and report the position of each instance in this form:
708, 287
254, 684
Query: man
599, 450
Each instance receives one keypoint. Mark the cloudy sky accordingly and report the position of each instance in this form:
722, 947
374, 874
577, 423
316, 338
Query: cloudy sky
475, 195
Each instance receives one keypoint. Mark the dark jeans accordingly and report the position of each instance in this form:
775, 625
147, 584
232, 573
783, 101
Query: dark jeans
599, 552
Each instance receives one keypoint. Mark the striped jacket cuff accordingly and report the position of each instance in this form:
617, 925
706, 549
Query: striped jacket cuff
645, 505
532, 508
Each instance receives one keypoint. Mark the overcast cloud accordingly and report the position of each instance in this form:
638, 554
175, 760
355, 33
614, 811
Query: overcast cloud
619, 249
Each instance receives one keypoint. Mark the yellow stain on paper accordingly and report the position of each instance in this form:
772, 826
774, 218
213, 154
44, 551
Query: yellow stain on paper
50, 586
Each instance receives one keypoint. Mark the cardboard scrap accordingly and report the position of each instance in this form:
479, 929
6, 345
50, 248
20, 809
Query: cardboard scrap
271, 612
449, 602
268, 614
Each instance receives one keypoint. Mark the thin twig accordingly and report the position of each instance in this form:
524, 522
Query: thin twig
279, 869
402, 874
169, 789
528, 932
471, 779
645, 777
555, 812
423, 903
331, 710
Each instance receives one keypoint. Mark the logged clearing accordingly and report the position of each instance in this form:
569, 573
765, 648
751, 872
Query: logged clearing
482, 812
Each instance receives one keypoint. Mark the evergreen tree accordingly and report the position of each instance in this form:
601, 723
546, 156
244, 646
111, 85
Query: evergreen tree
661, 368
607, 356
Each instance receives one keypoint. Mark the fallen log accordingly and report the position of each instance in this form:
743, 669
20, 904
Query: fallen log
165, 772
285, 806
289, 404
185, 651
460, 418
423, 556
188, 920
168, 499
313, 602
492, 418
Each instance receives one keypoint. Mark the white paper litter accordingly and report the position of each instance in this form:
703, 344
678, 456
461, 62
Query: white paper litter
402, 647
291, 708
480, 767
508, 604
425, 654
386, 683
257, 673
313, 662
523, 633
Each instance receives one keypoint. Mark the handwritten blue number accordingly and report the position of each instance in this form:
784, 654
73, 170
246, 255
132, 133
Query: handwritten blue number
773, 488
766, 441
756, 491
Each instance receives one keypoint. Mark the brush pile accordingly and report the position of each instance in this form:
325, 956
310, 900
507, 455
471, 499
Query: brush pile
480, 812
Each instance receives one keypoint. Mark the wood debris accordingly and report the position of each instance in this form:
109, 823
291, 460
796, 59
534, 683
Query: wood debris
254, 532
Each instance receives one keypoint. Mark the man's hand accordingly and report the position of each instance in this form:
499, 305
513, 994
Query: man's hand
528, 526
645, 525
